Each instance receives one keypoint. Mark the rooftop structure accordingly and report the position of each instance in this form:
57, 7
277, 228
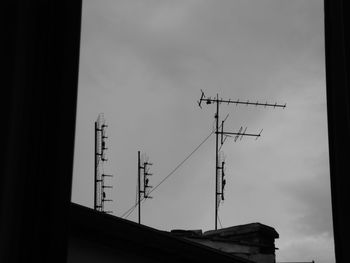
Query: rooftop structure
98, 237
254, 241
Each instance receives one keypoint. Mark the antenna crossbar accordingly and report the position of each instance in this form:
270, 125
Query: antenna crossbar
209, 100
266, 104
239, 134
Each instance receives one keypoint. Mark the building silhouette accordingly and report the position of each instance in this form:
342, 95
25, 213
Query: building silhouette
96, 237
254, 241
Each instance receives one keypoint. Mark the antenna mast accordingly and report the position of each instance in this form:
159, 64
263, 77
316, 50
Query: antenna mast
143, 180
100, 158
219, 167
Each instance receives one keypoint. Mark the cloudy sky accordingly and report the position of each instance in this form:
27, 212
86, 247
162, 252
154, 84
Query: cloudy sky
143, 64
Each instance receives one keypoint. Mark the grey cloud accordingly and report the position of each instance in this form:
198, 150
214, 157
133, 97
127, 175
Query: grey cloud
143, 63
228, 41
312, 195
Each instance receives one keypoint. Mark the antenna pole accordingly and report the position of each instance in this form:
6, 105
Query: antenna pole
95, 170
100, 158
101, 177
142, 165
217, 160
139, 185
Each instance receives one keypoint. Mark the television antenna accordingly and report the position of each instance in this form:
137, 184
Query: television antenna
100, 196
143, 180
220, 181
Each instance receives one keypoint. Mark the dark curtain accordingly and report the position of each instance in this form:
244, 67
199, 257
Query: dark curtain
337, 77
38, 103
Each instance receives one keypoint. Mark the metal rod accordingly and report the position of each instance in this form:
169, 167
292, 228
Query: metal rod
222, 132
238, 133
95, 170
217, 160
139, 186
102, 178
222, 179
144, 179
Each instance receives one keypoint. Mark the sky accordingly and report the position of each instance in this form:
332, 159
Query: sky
143, 64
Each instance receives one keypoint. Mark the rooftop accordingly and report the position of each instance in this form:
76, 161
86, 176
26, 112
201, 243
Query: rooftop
118, 233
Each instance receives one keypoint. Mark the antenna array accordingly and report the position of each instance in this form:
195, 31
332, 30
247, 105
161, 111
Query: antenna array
220, 180
143, 180
100, 158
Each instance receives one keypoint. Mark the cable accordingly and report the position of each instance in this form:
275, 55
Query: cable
136, 203
178, 166
219, 221
130, 210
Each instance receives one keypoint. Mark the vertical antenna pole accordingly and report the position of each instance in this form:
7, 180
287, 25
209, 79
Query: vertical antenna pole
101, 177
95, 171
144, 179
217, 160
139, 185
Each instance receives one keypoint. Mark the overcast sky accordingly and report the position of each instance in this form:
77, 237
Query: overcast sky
143, 63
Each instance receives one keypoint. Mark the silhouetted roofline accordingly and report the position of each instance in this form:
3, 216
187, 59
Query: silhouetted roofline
120, 233
243, 229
